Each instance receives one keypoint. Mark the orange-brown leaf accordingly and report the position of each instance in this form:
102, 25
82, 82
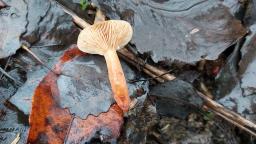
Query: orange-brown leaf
107, 125
49, 123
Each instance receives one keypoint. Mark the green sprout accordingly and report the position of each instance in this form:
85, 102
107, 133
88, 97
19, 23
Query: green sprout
84, 4
208, 116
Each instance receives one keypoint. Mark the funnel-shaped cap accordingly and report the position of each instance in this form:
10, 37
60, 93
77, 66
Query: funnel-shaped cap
100, 37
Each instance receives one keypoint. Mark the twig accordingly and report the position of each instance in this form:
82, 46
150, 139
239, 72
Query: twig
99, 16
37, 58
16, 140
205, 90
139, 63
235, 123
50, 45
41, 62
146, 71
152, 77
5, 67
124, 52
228, 115
80, 22
69, 128
10, 77
236, 118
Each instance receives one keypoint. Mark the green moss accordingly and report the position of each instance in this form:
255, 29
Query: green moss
84, 4
208, 116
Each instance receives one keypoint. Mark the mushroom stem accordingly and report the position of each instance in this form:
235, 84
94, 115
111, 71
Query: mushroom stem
117, 80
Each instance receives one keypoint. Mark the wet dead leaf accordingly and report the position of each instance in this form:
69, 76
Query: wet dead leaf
178, 96
49, 27
106, 126
239, 93
49, 123
87, 84
84, 83
247, 64
12, 122
38, 22
13, 23
48, 23
233, 5
187, 31
86, 89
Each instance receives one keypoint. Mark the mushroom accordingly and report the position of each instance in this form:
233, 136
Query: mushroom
104, 38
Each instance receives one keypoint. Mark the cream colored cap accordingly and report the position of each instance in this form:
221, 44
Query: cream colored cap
100, 37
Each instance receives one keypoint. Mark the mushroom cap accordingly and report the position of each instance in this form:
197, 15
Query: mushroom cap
103, 36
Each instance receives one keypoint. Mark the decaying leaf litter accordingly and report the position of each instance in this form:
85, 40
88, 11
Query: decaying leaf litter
47, 31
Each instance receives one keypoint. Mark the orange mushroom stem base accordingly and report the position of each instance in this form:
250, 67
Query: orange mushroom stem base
117, 80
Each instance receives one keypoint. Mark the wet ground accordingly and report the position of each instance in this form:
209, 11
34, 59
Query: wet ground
201, 41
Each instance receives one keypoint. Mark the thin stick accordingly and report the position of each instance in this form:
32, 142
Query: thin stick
152, 77
41, 62
16, 140
235, 123
80, 22
69, 128
37, 58
163, 73
167, 72
228, 113
5, 67
217, 108
50, 45
10, 77
99, 16
159, 79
